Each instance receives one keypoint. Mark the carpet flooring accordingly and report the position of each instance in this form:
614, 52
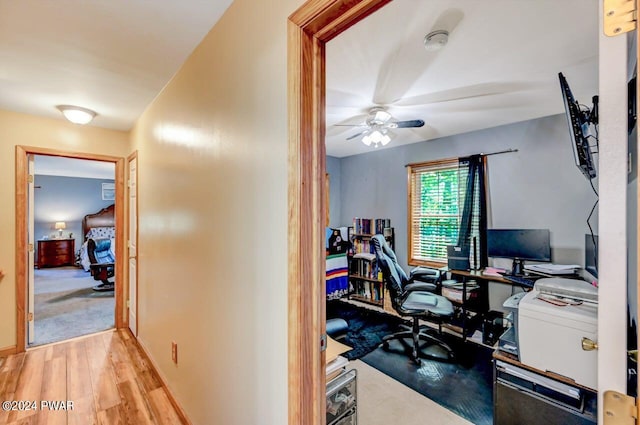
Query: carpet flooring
67, 307
463, 387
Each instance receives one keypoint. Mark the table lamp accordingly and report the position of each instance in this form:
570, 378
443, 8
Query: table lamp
60, 226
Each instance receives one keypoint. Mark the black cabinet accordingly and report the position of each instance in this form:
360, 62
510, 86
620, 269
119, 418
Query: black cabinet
524, 397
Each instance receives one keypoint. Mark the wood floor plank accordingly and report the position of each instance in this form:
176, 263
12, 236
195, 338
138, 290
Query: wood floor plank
54, 389
163, 411
84, 412
103, 380
78, 376
106, 376
13, 365
136, 409
119, 357
29, 383
112, 416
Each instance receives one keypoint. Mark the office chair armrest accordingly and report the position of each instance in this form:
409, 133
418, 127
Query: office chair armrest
426, 273
420, 286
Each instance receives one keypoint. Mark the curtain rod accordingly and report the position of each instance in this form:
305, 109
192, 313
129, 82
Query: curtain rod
457, 158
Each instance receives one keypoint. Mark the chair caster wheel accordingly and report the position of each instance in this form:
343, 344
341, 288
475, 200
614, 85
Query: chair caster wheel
385, 346
417, 361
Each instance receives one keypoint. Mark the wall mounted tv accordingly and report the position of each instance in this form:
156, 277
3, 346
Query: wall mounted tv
579, 121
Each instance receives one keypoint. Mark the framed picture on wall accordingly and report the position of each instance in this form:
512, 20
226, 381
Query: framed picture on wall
108, 191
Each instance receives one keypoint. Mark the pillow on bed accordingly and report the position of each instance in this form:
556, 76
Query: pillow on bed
101, 232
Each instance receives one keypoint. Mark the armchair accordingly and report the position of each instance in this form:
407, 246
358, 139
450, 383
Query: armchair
102, 263
415, 300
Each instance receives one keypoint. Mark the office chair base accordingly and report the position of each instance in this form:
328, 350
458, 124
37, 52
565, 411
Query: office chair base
105, 286
418, 334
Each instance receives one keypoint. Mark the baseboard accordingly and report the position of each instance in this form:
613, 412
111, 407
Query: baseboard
179, 410
7, 351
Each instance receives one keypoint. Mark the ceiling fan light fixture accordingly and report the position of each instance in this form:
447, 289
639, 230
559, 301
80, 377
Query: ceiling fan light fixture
77, 114
376, 137
380, 115
436, 40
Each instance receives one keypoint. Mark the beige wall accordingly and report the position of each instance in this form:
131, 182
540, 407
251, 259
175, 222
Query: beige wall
213, 221
28, 130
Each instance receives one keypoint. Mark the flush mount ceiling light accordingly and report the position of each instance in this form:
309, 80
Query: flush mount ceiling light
76, 114
436, 40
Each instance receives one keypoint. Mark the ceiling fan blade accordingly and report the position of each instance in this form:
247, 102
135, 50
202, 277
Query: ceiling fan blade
357, 134
408, 61
467, 92
409, 123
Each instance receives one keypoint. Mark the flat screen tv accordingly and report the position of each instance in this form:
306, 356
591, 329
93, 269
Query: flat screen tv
579, 121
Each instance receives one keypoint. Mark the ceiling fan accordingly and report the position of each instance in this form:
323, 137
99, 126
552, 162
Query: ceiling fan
378, 123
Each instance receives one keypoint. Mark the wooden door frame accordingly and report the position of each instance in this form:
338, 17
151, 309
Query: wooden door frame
134, 155
21, 217
309, 28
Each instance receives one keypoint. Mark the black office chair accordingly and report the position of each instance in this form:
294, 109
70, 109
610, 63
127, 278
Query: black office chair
102, 263
413, 300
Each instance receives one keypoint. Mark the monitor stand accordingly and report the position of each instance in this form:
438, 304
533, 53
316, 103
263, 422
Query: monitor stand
517, 267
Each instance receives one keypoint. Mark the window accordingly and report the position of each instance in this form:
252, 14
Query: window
447, 206
435, 210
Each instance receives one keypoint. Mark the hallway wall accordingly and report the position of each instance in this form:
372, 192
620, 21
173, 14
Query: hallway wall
212, 164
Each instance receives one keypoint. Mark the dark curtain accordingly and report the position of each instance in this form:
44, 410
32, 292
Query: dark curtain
474, 212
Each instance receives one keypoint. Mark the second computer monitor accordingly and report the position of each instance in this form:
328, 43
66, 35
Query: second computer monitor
519, 245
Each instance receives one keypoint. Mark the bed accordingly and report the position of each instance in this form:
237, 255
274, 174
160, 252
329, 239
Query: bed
99, 225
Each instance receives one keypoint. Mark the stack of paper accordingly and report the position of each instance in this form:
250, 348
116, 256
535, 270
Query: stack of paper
552, 269
493, 271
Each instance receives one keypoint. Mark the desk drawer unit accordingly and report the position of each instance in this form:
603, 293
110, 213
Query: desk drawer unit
522, 397
341, 399
55, 252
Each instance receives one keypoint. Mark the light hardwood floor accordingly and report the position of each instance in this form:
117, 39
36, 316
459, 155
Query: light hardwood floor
106, 376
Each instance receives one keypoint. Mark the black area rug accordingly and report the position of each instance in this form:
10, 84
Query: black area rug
464, 386
366, 327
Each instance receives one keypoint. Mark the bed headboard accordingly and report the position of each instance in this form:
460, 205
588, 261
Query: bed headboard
103, 218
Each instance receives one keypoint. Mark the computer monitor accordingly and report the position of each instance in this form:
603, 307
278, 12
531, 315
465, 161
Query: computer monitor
591, 254
519, 245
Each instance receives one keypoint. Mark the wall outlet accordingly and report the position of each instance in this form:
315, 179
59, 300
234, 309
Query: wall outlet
174, 352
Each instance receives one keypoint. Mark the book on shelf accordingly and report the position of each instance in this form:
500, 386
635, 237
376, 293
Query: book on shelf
365, 255
369, 226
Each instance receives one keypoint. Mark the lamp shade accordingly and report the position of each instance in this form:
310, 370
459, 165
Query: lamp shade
60, 225
76, 114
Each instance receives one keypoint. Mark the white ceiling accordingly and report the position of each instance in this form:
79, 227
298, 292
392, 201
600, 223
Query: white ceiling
112, 57
500, 66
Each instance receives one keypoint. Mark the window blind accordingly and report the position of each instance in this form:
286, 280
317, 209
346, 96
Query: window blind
435, 208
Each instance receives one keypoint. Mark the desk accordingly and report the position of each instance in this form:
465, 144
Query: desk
472, 311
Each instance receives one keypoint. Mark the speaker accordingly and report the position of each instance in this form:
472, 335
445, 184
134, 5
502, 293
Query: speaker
458, 258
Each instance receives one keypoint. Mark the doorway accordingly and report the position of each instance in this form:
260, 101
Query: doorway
65, 300
26, 234
310, 28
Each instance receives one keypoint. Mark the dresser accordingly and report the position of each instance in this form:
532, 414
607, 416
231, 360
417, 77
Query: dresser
55, 253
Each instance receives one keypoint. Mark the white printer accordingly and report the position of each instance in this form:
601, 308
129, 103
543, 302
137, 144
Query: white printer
553, 319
